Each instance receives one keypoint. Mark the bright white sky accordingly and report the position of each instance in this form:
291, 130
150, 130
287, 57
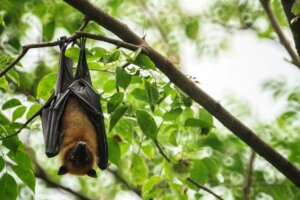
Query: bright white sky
241, 71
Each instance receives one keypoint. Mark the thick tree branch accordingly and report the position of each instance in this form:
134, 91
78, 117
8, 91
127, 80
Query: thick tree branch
284, 41
161, 151
294, 25
248, 177
191, 89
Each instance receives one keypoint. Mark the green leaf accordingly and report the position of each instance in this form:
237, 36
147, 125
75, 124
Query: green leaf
114, 56
32, 110
12, 143
179, 191
4, 120
139, 94
144, 62
199, 172
45, 86
211, 165
192, 29
152, 181
11, 103
73, 53
205, 116
48, 30
14, 76
114, 151
8, 187
2, 23
2, 164
114, 101
296, 8
197, 123
19, 112
172, 114
21, 158
173, 138
26, 176
109, 86
122, 78
151, 93
147, 124
116, 116
3, 83
98, 52
139, 170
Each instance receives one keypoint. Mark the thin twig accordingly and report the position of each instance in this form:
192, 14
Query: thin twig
69, 39
85, 23
161, 151
189, 179
155, 23
204, 188
284, 41
248, 177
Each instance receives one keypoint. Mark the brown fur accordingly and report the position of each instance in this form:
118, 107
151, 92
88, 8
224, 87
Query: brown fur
76, 127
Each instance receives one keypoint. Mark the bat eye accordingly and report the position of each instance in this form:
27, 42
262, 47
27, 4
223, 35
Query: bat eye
86, 159
72, 157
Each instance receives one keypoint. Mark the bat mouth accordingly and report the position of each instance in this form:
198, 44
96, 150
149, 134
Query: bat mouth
81, 155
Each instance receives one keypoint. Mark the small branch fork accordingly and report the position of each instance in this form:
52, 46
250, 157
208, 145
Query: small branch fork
283, 40
161, 151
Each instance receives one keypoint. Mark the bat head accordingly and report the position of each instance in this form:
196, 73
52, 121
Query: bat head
78, 159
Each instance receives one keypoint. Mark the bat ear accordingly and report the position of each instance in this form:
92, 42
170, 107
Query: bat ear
62, 170
92, 173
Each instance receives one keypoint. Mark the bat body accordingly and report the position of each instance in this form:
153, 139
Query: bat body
73, 123
79, 144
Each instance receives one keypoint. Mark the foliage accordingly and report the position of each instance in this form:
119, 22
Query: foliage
141, 106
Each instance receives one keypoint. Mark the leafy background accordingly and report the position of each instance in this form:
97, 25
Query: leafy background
140, 105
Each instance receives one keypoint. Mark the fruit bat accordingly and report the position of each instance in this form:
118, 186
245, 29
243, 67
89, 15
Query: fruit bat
72, 119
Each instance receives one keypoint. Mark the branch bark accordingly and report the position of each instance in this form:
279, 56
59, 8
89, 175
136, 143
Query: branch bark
185, 84
284, 41
294, 25
248, 177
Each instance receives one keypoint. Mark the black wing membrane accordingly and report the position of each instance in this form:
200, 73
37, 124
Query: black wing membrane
81, 88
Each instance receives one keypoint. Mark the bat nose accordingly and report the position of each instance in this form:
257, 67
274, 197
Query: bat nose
81, 144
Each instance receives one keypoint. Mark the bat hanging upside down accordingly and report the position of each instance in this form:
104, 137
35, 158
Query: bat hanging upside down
72, 120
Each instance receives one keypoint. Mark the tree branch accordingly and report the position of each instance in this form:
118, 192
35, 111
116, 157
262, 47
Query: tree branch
248, 177
189, 179
190, 88
40, 173
294, 25
123, 181
69, 39
284, 41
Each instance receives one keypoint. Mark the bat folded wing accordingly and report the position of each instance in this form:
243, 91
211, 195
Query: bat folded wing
51, 115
